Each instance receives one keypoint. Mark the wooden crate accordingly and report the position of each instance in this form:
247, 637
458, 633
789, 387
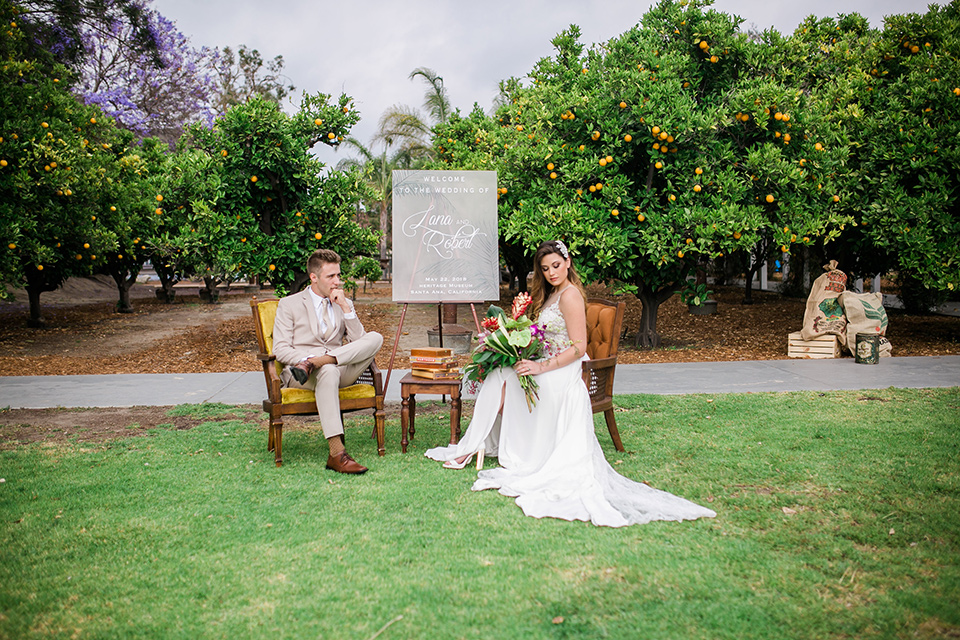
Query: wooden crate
827, 346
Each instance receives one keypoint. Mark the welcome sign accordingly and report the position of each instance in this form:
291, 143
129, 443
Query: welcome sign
445, 236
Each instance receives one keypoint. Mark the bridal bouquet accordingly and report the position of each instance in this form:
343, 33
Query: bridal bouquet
506, 340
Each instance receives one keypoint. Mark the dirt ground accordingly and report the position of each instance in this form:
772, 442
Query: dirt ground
84, 335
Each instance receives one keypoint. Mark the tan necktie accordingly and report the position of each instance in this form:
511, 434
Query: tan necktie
326, 320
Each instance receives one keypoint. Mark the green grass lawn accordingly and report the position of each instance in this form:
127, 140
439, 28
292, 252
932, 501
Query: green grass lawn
838, 517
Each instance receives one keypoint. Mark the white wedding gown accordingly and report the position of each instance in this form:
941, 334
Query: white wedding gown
550, 458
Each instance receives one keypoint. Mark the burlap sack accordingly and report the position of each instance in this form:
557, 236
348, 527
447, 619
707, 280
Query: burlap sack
824, 314
865, 314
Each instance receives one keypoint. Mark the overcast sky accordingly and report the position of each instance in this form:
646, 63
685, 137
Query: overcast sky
367, 48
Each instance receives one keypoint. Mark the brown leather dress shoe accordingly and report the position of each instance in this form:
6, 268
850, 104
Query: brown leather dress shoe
301, 371
343, 463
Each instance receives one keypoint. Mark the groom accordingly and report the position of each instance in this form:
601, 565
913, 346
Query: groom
308, 337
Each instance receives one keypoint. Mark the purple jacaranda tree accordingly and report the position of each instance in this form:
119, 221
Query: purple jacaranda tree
153, 94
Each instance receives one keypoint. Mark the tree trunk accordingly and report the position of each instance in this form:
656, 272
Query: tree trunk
125, 281
651, 300
38, 283
209, 291
383, 231
168, 278
35, 321
758, 258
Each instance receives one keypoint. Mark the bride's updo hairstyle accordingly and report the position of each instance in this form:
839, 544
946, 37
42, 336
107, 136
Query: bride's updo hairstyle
540, 289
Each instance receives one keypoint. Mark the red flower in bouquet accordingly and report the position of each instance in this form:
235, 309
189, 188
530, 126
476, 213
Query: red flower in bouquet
520, 304
490, 323
506, 341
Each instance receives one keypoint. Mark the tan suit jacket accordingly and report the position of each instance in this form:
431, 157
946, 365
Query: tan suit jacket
297, 335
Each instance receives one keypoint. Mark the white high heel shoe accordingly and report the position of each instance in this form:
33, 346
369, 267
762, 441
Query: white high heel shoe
453, 464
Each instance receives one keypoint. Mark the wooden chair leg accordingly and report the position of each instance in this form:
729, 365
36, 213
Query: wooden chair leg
278, 441
275, 439
379, 419
612, 428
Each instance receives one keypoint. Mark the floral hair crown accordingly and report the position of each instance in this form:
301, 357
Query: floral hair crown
563, 249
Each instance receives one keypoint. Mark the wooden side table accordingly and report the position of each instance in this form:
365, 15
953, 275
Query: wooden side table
410, 386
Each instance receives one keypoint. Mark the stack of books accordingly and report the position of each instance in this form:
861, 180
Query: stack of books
434, 363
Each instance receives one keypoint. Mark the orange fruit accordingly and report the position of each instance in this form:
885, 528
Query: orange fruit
627, 138
689, 240
553, 175
519, 127
158, 211
253, 178
86, 245
818, 147
159, 198
550, 167
623, 105
609, 159
737, 235
272, 267
659, 165
679, 254
655, 130
664, 135
44, 125
704, 45
593, 188
318, 122
39, 267
603, 162
595, 135
93, 121
113, 208
641, 217
656, 145
698, 171
3, 163
714, 59
318, 235
697, 188
778, 116
672, 197
836, 198
331, 135
770, 198
614, 213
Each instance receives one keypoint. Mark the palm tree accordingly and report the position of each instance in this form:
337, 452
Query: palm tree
406, 124
377, 171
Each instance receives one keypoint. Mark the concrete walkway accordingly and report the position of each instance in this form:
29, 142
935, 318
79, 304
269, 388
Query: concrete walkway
127, 390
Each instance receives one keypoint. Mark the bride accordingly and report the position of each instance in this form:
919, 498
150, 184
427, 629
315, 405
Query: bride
550, 459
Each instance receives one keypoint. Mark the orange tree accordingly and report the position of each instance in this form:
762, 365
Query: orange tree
258, 203
669, 145
126, 218
60, 162
907, 152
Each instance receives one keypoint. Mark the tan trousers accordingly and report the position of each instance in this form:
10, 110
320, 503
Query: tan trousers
352, 359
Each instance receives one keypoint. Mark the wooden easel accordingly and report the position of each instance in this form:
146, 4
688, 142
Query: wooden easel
396, 339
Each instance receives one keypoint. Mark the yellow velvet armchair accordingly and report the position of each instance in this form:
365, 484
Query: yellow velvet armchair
367, 393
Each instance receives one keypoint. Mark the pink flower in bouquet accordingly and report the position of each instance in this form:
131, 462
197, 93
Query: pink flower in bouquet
490, 324
520, 304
